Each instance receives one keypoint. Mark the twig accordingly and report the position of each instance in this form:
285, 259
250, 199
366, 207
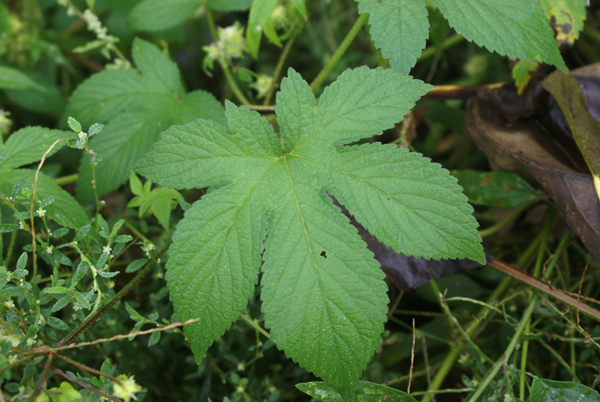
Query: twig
412, 359
578, 297
536, 283
37, 173
83, 385
118, 337
87, 323
89, 369
504, 359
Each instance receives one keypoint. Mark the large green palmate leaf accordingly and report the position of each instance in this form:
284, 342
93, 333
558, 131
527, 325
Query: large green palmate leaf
515, 28
323, 294
399, 28
137, 108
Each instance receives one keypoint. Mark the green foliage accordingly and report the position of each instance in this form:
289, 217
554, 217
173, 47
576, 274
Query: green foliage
11, 78
160, 200
365, 392
502, 189
515, 28
261, 190
399, 28
544, 390
314, 263
156, 15
26, 146
137, 108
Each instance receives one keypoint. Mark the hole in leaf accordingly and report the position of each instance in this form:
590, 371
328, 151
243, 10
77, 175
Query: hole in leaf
323, 254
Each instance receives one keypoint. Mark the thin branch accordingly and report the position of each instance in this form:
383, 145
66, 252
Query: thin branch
539, 285
119, 337
83, 384
37, 173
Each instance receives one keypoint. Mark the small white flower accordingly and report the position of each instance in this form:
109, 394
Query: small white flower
10, 303
49, 249
49, 233
20, 225
37, 301
106, 249
30, 341
82, 135
41, 212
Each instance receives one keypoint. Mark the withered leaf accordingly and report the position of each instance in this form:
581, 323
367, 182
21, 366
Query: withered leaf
524, 135
582, 125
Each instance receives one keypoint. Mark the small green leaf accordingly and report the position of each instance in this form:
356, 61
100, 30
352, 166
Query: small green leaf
154, 338
83, 302
82, 232
500, 189
57, 323
61, 258
135, 184
95, 129
548, 390
123, 239
22, 261
56, 290
134, 315
61, 303
105, 274
74, 124
365, 392
8, 227
80, 272
515, 28
136, 265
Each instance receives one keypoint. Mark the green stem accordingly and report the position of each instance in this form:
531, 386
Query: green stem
454, 353
88, 323
512, 216
254, 325
70, 179
233, 85
447, 43
339, 52
135, 231
454, 322
279, 66
536, 273
504, 359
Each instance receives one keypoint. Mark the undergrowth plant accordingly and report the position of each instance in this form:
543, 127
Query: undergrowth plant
239, 194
